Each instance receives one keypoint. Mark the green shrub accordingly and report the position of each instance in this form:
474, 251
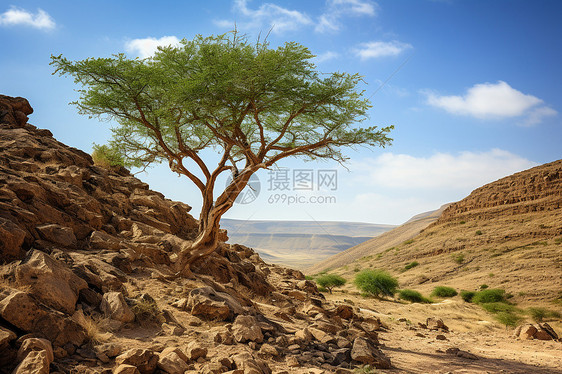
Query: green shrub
498, 307
412, 264
483, 286
107, 157
409, 241
309, 277
329, 281
538, 314
443, 291
376, 282
458, 258
478, 232
490, 295
322, 289
467, 295
412, 296
508, 319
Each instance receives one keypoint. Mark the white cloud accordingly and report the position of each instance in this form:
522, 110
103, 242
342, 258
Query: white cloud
441, 171
268, 15
493, 101
336, 9
16, 16
381, 49
326, 56
147, 47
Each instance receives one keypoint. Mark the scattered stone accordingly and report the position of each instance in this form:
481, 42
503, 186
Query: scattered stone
268, 350
434, 323
441, 337
36, 344
172, 361
527, 332
195, 351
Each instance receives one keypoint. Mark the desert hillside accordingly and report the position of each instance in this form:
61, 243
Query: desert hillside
506, 234
300, 244
386, 240
88, 283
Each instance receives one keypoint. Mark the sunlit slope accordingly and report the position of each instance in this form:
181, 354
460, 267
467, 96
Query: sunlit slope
506, 234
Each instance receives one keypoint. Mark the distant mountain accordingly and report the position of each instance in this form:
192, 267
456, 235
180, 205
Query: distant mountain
388, 239
300, 244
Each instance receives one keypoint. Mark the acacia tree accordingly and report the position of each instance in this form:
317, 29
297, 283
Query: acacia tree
252, 104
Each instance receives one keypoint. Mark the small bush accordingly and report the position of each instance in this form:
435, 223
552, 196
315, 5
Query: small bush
539, 314
309, 277
322, 289
462, 222
409, 241
329, 281
412, 264
467, 295
491, 295
376, 282
443, 291
458, 258
498, 307
106, 157
146, 309
412, 296
483, 286
558, 241
508, 319
478, 232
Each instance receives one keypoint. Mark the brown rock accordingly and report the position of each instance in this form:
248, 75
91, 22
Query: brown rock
6, 336
50, 281
11, 241
35, 362
143, 359
209, 304
113, 305
363, 351
172, 363
344, 311
57, 234
195, 351
527, 332
268, 350
434, 323
126, 369
36, 344
246, 328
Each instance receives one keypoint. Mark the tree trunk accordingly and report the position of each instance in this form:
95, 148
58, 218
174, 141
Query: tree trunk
207, 240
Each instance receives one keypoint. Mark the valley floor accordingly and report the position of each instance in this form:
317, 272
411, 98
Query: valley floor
413, 349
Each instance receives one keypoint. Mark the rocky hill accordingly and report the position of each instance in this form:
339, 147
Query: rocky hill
87, 282
506, 234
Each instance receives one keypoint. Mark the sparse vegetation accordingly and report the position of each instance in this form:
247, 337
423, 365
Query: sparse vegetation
491, 295
483, 286
478, 232
508, 319
376, 282
146, 309
467, 295
443, 291
329, 281
458, 258
413, 296
498, 307
462, 222
367, 369
410, 265
558, 241
107, 157
539, 314
409, 241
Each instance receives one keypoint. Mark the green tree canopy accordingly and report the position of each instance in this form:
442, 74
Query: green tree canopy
376, 282
329, 281
252, 104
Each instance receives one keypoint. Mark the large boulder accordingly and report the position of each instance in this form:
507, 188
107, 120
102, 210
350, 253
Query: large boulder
24, 312
36, 362
50, 281
366, 353
57, 234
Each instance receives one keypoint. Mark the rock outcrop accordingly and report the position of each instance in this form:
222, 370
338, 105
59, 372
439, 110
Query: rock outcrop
87, 282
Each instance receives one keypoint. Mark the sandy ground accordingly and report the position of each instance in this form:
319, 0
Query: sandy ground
416, 350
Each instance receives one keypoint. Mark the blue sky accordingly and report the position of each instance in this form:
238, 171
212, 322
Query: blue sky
472, 87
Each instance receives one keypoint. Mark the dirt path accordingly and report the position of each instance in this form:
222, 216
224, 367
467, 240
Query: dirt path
413, 349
